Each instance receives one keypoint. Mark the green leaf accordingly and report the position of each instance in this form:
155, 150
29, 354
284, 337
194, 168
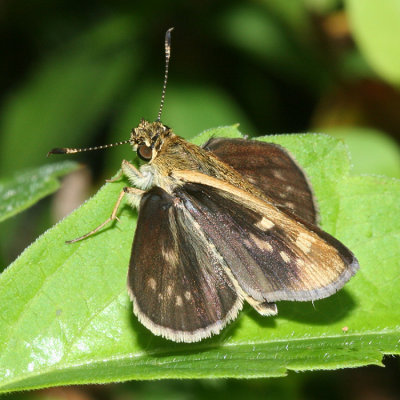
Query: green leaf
372, 151
66, 316
26, 188
376, 29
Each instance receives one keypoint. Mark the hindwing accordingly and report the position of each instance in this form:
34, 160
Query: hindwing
271, 169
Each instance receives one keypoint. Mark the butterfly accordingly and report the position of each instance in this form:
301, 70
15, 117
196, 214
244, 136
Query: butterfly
230, 222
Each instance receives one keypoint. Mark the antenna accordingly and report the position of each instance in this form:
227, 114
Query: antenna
167, 57
69, 150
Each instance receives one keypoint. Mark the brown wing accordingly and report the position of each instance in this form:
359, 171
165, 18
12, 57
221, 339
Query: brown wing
176, 282
271, 255
270, 168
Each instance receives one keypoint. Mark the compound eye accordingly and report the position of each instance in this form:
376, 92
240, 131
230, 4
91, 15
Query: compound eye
144, 152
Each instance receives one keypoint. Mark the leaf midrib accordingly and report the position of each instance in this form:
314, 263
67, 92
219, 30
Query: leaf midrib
363, 336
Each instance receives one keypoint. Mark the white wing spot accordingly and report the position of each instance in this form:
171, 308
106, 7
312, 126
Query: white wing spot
261, 244
304, 242
283, 195
284, 256
169, 256
188, 295
277, 174
152, 283
179, 301
169, 290
265, 224
300, 262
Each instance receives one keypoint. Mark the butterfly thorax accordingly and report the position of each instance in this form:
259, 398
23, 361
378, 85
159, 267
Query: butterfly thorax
166, 152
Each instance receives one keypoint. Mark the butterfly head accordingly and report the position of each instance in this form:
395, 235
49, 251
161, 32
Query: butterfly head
148, 138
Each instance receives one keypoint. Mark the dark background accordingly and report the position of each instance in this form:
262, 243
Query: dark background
77, 73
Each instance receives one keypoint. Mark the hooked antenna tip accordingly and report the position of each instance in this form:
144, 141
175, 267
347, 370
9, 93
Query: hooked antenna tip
168, 34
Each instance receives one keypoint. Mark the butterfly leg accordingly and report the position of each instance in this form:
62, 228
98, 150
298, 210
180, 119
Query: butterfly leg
130, 191
131, 171
116, 178
127, 169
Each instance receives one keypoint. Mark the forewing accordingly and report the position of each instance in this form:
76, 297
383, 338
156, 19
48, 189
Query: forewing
272, 170
175, 280
271, 255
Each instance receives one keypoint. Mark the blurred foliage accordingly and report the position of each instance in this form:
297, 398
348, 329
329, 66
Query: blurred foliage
83, 73
375, 25
26, 188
